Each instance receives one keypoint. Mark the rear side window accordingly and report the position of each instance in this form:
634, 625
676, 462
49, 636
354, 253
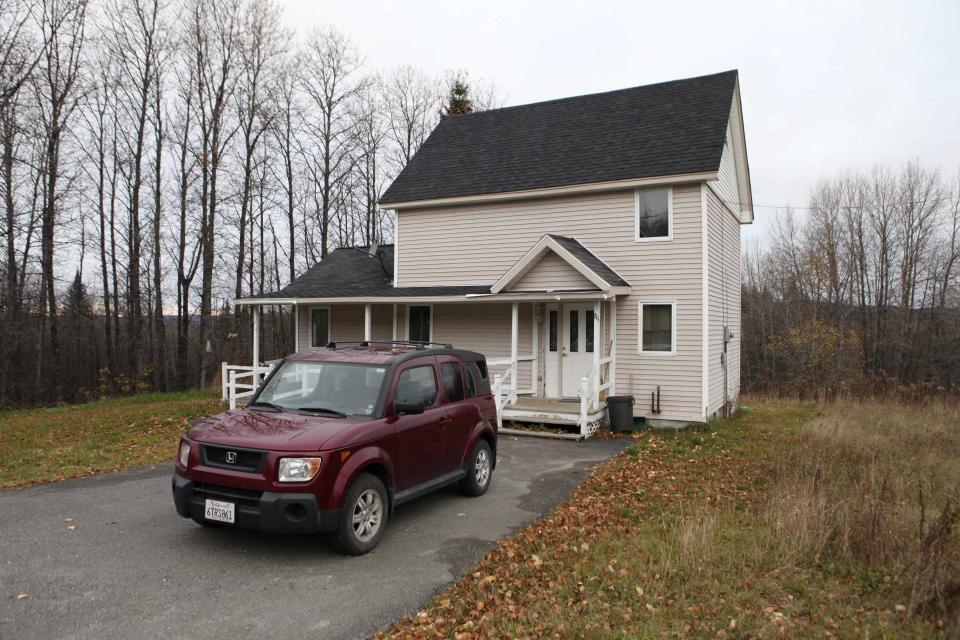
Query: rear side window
417, 384
476, 376
452, 379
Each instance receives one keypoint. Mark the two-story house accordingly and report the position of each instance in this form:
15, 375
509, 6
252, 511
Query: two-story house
587, 245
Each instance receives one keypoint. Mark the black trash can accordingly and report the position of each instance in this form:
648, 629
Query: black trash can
621, 413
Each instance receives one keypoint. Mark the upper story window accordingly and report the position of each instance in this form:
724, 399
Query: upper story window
653, 214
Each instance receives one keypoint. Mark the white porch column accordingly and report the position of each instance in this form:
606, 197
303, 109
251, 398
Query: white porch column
296, 328
256, 335
597, 345
368, 322
612, 369
514, 339
394, 322
597, 349
535, 311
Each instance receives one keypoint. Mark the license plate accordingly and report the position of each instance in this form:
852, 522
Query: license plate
220, 511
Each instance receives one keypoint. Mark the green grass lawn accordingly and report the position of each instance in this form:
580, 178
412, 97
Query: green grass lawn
789, 521
40, 445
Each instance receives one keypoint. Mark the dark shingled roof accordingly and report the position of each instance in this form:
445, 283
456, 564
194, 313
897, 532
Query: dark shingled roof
661, 129
594, 263
352, 272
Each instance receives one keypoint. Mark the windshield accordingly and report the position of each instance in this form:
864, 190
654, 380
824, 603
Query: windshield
336, 387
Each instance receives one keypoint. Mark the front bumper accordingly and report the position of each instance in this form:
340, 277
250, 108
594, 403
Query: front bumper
266, 511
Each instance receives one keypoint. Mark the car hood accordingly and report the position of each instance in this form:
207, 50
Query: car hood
280, 431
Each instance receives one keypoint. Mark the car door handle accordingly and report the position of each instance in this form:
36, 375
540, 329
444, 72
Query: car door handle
444, 421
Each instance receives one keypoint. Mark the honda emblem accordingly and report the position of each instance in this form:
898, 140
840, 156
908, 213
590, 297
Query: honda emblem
231, 457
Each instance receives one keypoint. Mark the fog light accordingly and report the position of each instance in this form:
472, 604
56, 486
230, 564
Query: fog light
184, 454
296, 512
297, 469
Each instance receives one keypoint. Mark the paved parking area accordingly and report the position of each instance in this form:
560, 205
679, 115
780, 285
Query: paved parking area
133, 568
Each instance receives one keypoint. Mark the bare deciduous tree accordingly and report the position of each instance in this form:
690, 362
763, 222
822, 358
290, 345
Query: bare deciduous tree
331, 78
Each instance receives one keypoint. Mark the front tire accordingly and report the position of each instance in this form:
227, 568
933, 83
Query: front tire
363, 516
479, 471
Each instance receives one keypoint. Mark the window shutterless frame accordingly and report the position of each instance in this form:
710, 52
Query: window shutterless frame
429, 308
311, 336
636, 216
673, 327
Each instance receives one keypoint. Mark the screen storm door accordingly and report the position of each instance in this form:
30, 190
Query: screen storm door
553, 341
578, 345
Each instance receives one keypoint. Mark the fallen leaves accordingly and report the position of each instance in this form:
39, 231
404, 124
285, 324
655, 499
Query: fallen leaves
583, 570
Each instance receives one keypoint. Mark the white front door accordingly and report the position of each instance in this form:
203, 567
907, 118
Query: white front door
578, 345
554, 347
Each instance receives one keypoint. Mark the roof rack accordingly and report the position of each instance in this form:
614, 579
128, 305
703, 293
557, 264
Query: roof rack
416, 344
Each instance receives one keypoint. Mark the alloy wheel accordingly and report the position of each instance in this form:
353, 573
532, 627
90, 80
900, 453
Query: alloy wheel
481, 467
367, 515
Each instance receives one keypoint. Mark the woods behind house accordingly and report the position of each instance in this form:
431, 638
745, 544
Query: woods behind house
858, 293
159, 158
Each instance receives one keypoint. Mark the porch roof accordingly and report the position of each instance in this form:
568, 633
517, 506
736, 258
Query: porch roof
360, 275
355, 273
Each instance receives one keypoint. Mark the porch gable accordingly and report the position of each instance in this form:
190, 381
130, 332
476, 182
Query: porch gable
558, 263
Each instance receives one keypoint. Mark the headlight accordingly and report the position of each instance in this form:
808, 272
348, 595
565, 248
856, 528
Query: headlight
184, 453
298, 469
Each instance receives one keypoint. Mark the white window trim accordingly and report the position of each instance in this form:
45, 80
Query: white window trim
310, 325
409, 306
636, 216
673, 328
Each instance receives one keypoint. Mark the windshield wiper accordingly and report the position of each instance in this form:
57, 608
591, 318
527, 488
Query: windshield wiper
334, 412
262, 404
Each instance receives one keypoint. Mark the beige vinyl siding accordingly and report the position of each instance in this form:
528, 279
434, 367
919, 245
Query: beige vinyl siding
723, 259
346, 323
488, 239
726, 183
483, 327
486, 327
552, 272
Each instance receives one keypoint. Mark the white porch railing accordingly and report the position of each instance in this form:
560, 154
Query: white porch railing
500, 387
241, 381
591, 386
505, 387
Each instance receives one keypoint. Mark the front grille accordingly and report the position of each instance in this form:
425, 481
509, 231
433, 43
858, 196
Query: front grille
246, 497
242, 459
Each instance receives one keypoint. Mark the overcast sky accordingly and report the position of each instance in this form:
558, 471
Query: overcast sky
826, 86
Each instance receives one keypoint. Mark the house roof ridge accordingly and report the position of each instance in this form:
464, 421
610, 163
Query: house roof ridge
596, 94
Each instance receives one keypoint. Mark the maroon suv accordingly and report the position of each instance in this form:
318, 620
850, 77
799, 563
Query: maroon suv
336, 438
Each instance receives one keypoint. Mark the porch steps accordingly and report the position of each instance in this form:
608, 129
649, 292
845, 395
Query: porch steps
543, 417
528, 433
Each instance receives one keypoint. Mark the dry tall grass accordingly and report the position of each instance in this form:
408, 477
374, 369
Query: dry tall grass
875, 485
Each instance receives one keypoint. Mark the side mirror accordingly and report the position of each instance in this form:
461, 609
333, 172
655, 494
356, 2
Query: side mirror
400, 408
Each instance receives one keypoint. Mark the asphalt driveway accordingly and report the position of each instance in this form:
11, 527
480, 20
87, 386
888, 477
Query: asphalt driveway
132, 568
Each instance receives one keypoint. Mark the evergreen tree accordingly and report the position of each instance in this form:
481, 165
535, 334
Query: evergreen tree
76, 302
458, 99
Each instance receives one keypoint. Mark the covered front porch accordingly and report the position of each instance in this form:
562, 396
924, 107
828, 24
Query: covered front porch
551, 358
548, 326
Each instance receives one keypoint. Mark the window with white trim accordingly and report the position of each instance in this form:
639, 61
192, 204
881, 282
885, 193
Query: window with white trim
658, 327
418, 322
653, 214
319, 326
